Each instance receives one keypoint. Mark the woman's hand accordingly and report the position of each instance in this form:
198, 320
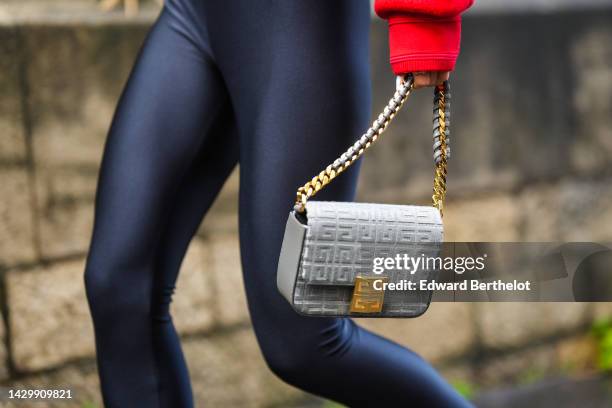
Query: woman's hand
430, 78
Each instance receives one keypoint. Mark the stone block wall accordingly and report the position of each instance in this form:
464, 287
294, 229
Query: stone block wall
532, 155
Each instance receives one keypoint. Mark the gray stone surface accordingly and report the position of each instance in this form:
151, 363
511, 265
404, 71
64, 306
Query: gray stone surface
591, 391
539, 211
565, 210
482, 217
49, 315
521, 367
81, 378
16, 227
540, 6
72, 12
76, 75
16, 218
230, 298
515, 324
65, 220
3, 356
577, 353
590, 52
193, 302
12, 140
602, 310
234, 361
573, 356
568, 210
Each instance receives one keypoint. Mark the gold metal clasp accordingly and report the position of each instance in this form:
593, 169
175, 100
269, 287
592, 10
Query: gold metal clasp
365, 298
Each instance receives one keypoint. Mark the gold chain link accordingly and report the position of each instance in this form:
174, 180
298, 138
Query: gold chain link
439, 185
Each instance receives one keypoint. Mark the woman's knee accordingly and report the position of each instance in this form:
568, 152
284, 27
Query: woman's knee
288, 363
109, 293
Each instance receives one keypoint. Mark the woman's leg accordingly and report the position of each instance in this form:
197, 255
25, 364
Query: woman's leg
170, 148
298, 76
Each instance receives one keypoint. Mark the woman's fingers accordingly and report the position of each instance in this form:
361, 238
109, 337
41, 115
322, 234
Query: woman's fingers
443, 76
423, 79
430, 78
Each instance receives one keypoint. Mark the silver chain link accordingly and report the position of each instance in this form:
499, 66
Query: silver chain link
402, 91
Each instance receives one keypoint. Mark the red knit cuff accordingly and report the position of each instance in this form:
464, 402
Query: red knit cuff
420, 43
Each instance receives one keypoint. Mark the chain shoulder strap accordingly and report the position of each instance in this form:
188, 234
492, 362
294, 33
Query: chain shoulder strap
441, 143
404, 86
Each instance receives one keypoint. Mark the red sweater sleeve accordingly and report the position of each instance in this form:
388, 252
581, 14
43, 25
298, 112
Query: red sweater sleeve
424, 35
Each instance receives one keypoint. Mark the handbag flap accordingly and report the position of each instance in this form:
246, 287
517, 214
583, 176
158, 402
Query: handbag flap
343, 239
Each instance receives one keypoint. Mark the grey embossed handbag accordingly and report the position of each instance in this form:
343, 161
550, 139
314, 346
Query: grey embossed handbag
326, 262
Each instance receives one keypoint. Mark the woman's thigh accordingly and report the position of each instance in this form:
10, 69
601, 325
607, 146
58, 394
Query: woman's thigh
163, 118
298, 77
165, 157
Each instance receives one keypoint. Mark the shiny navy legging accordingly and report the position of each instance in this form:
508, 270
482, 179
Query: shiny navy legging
281, 87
